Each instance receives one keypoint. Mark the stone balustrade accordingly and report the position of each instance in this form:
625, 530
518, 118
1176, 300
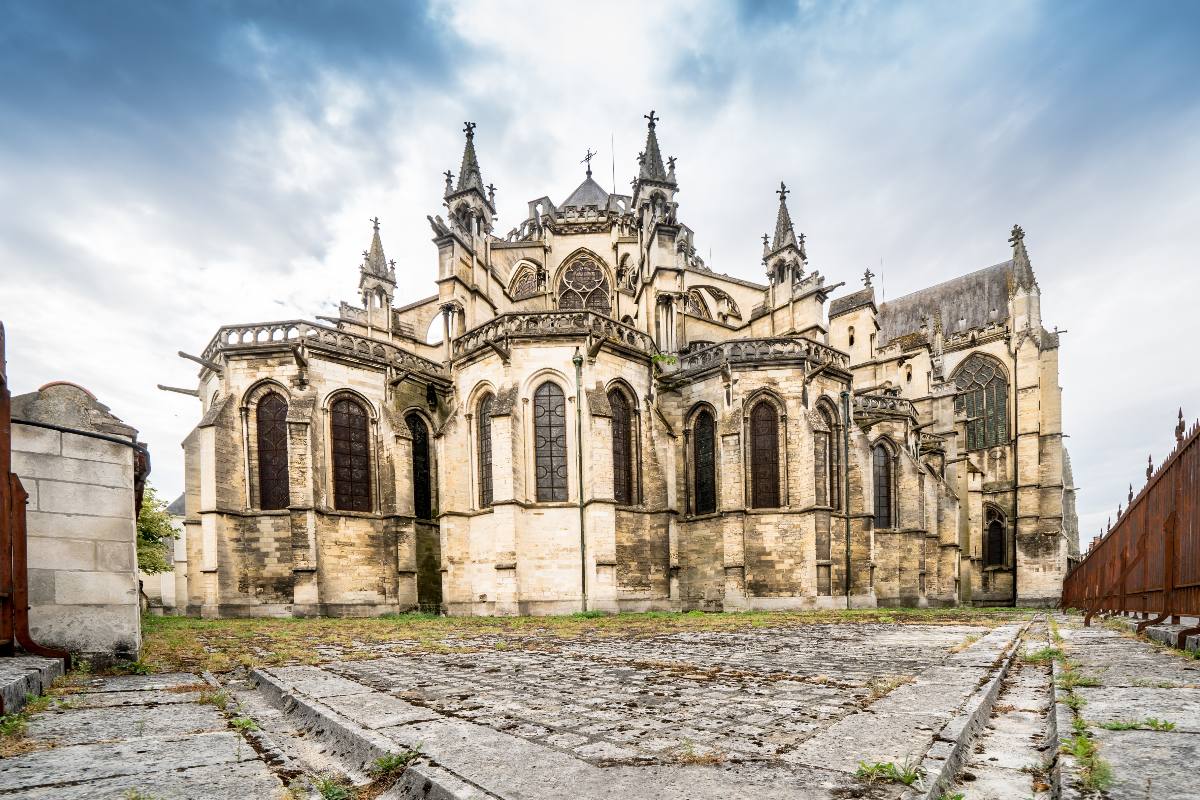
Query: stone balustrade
883, 404
552, 323
777, 348
313, 335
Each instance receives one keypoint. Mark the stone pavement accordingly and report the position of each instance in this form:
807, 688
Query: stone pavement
777, 713
136, 736
1135, 682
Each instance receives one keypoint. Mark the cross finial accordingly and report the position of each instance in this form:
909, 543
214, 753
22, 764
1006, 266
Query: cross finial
375, 222
449, 181
766, 241
1149, 466
653, 119
587, 159
782, 191
469, 129
671, 162
867, 275
1018, 234
392, 263
491, 191
365, 254
1180, 428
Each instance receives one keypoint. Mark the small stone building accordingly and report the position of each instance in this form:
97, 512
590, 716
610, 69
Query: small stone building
586, 415
84, 471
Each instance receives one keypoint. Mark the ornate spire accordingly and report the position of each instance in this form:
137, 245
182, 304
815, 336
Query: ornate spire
468, 173
1022, 270
785, 234
650, 160
374, 261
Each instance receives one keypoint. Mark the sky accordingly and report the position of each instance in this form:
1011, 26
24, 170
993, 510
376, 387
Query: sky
170, 167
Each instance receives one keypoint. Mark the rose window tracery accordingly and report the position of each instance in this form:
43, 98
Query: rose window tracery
584, 286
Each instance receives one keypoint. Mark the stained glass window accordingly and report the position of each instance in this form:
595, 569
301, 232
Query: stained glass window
351, 456
882, 471
422, 484
764, 456
271, 417
550, 442
584, 286
485, 450
622, 448
983, 400
704, 455
525, 286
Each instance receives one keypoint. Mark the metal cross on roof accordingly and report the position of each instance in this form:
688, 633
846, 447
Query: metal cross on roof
375, 222
782, 191
587, 159
469, 128
867, 277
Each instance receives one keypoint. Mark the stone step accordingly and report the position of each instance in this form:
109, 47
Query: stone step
1011, 755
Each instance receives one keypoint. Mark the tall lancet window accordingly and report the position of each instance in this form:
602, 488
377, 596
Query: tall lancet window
622, 448
704, 446
881, 469
485, 450
550, 442
994, 538
584, 286
422, 481
825, 460
983, 400
351, 456
764, 456
271, 420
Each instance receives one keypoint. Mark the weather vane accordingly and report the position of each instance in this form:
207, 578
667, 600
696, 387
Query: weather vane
587, 159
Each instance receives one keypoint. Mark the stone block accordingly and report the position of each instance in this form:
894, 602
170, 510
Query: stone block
74, 470
26, 439
83, 498
115, 556
80, 526
95, 588
89, 449
88, 629
61, 554
41, 586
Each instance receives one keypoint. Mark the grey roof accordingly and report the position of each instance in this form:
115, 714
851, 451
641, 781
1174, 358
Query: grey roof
968, 301
588, 193
178, 507
848, 302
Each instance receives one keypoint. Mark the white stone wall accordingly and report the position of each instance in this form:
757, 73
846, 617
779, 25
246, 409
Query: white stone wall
82, 533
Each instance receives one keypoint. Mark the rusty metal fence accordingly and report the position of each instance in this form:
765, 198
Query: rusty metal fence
14, 573
1149, 562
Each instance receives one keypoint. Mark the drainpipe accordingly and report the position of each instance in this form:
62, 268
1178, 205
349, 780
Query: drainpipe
846, 483
577, 360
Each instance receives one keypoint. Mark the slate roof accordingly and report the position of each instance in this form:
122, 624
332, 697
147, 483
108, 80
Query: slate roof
177, 507
588, 193
848, 302
968, 301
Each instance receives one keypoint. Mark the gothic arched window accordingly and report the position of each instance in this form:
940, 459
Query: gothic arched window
584, 286
550, 442
994, 538
622, 448
983, 399
825, 459
271, 423
764, 456
484, 428
421, 481
881, 471
351, 456
525, 285
704, 448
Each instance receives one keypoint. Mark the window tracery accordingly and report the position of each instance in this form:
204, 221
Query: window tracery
584, 286
271, 423
550, 442
881, 471
351, 456
764, 455
983, 399
704, 446
484, 448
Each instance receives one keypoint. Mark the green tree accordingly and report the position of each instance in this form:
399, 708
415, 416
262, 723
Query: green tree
153, 532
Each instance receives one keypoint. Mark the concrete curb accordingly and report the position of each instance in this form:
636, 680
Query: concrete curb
948, 752
353, 744
24, 675
1163, 634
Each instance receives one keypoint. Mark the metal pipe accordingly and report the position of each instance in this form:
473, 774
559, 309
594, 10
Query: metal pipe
577, 360
62, 429
846, 484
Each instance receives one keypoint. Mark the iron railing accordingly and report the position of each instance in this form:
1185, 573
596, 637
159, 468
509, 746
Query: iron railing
1149, 562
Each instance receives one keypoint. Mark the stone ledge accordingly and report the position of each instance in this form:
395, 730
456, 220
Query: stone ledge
22, 675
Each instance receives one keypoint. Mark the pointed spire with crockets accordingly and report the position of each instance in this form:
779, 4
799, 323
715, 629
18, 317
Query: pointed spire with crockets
1022, 269
651, 159
374, 262
468, 174
785, 234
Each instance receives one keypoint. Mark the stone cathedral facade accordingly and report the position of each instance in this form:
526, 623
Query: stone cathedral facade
606, 423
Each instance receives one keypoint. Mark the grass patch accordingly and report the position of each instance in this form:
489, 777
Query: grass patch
243, 724
14, 726
1095, 773
385, 770
1071, 680
1148, 724
219, 698
883, 685
333, 787
1043, 656
889, 772
967, 642
188, 644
